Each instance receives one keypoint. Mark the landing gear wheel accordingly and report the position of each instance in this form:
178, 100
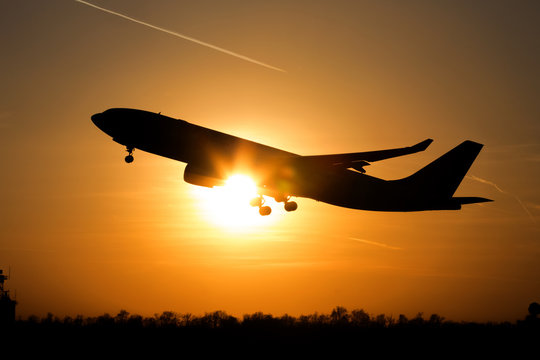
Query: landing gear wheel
265, 210
291, 206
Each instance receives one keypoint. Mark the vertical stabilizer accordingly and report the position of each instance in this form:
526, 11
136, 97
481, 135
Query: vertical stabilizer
441, 178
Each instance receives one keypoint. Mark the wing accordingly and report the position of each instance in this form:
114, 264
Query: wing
360, 159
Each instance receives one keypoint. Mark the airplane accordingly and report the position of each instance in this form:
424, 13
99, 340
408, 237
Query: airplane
338, 179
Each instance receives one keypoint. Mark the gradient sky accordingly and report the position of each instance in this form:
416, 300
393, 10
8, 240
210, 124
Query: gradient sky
85, 233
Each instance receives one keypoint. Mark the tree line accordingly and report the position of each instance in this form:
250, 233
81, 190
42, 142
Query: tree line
339, 317
338, 334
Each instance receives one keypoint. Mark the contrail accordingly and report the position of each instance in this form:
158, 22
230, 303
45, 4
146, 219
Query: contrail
376, 244
183, 37
484, 181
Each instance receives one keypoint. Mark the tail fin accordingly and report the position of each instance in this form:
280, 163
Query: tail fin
440, 179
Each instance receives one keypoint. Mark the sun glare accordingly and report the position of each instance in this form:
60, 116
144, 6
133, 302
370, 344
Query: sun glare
228, 206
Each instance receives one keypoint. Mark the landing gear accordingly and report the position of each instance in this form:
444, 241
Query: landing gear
290, 206
259, 202
129, 158
265, 210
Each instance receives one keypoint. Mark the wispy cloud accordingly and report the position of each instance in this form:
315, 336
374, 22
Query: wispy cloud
534, 206
484, 181
374, 243
185, 37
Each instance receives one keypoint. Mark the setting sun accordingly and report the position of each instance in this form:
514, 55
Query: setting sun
229, 206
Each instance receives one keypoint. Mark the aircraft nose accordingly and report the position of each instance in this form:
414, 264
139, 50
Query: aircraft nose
97, 119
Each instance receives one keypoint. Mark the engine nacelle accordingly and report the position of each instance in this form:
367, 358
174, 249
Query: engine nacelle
201, 177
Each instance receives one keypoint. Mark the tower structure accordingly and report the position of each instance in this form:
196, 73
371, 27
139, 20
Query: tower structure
7, 304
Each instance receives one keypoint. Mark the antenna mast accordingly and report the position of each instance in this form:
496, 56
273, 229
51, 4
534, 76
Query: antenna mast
7, 305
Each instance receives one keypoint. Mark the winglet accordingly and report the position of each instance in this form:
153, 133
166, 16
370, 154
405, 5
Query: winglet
421, 146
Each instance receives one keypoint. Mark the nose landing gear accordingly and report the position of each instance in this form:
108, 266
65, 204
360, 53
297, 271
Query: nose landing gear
129, 158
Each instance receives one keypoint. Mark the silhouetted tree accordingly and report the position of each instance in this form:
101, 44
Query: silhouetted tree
218, 319
68, 321
339, 315
402, 320
532, 320
390, 321
135, 321
185, 319
48, 320
259, 320
322, 319
151, 322
418, 320
360, 318
305, 320
78, 321
33, 319
122, 317
435, 320
287, 320
105, 320
168, 319
534, 309
380, 320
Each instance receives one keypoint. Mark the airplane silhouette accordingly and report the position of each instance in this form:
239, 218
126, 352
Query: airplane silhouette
338, 179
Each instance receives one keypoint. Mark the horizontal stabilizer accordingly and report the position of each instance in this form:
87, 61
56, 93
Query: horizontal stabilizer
471, 200
421, 146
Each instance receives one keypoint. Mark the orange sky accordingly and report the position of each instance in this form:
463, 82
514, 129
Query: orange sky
85, 233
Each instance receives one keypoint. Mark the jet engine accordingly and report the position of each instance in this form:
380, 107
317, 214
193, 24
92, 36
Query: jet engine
200, 176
